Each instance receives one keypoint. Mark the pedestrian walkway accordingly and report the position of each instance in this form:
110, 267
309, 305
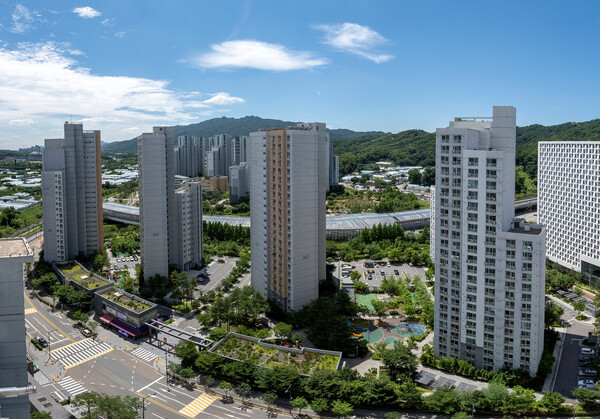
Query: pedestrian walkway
144, 355
198, 405
72, 386
30, 310
79, 352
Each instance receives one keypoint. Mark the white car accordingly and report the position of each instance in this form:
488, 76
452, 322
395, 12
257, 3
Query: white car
587, 351
587, 383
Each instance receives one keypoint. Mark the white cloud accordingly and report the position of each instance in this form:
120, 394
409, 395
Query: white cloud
223, 98
22, 19
108, 22
86, 12
355, 39
258, 55
20, 122
120, 34
41, 85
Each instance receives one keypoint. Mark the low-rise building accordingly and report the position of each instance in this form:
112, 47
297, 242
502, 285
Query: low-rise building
216, 183
125, 312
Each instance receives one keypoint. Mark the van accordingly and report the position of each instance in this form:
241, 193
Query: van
587, 351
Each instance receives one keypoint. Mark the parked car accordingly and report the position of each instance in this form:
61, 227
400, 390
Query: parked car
586, 358
585, 363
587, 372
86, 332
587, 351
135, 258
42, 342
587, 382
369, 276
382, 272
116, 268
389, 264
396, 272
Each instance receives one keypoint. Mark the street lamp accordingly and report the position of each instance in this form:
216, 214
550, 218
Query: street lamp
290, 390
144, 403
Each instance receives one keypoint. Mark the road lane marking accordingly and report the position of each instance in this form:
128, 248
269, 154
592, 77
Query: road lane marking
151, 400
144, 354
53, 377
45, 318
72, 386
102, 339
70, 344
153, 382
198, 405
30, 310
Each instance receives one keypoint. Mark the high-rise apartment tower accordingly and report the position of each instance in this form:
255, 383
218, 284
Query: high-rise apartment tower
489, 266
72, 195
288, 183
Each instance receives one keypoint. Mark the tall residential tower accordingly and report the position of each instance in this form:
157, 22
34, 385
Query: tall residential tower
72, 195
489, 266
288, 183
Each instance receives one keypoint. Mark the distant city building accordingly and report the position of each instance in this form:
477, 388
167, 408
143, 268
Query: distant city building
238, 150
288, 183
35, 156
489, 266
216, 183
239, 182
33, 149
332, 166
14, 253
189, 234
158, 215
189, 156
568, 204
72, 195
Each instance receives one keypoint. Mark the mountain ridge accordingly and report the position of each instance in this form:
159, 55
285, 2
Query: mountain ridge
232, 126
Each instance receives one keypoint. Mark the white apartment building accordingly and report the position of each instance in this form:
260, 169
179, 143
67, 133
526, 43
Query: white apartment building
288, 183
489, 266
189, 225
569, 203
72, 195
332, 166
158, 216
14, 253
239, 182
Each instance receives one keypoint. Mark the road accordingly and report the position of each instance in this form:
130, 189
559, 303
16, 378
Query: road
568, 368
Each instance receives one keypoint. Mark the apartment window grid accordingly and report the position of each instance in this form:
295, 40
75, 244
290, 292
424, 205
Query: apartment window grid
569, 194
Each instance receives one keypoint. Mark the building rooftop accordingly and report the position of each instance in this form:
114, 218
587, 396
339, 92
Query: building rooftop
519, 225
14, 247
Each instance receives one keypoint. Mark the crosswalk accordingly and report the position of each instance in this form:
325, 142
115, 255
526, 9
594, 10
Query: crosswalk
144, 354
72, 386
198, 405
79, 352
30, 310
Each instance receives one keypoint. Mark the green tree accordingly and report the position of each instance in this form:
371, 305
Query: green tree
270, 398
319, 405
243, 390
278, 378
92, 325
40, 415
355, 275
551, 402
341, 408
100, 261
586, 397
461, 415
299, 403
226, 387
414, 177
380, 308
217, 334
208, 362
553, 313
361, 287
207, 381
519, 401
297, 339
187, 352
81, 317
86, 401
442, 399
109, 407
400, 360
579, 306
282, 330
428, 176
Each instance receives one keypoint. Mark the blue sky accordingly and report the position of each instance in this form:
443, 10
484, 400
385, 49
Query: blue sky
124, 66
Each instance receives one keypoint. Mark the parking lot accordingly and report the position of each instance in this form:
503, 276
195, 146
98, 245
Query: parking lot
216, 272
121, 262
380, 271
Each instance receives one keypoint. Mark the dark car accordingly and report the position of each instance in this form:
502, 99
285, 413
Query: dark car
396, 272
585, 363
370, 276
42, 342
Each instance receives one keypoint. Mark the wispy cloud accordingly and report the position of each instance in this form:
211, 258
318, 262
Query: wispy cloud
355, 39
22, 19
258, 55
41, 84
86, 12
120, 34
108, 22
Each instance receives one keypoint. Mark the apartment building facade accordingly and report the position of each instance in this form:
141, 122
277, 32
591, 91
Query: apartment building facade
72, 195
189, 225
288, 183
489, 266
189, 156
239, 182
569, 202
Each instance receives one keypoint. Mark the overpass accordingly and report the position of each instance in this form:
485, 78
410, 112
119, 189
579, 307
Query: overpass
526, 204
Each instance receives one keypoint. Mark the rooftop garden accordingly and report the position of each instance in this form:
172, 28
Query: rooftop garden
246, 350
126, 301
77, 274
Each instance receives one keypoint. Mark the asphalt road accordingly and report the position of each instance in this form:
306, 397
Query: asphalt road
568, 368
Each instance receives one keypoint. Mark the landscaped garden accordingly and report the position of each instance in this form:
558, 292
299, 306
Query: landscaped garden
126, 301
77, 274
306, 362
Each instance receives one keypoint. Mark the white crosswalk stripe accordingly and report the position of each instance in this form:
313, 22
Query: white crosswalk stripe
72, 386
30, 310
198, 405
79, 352
144, 354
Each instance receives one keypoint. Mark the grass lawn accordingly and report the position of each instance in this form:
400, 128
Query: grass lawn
365, 300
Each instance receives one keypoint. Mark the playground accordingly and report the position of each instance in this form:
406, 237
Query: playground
391, 331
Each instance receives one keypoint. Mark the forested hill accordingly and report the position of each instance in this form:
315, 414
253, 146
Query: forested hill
417, 147
232, 126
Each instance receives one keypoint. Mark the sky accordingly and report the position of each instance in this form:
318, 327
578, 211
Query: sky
124, 66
